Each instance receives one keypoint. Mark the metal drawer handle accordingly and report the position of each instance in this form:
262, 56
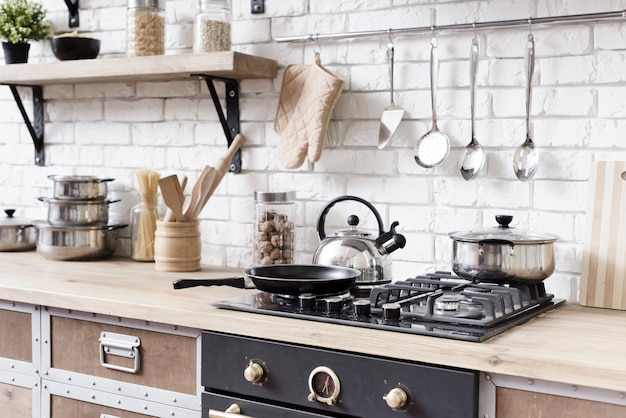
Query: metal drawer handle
233, 411
119, 345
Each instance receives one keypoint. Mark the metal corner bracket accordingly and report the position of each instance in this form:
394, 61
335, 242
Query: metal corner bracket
72, 7
35, 128
230, 121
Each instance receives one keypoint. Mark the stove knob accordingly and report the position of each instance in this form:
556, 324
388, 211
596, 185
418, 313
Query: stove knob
334, 305
391, 312
396, 398
307, 302
254, 373
361, 308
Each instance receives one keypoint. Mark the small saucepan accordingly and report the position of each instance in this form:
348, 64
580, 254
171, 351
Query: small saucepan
16, 234
80, 187
503, 254
288, 279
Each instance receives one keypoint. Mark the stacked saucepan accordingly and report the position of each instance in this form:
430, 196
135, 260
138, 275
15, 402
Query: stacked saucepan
77, 226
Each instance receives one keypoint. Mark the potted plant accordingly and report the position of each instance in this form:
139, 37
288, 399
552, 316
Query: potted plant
22, 21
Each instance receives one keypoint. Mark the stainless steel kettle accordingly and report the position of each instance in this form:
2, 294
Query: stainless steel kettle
357, 249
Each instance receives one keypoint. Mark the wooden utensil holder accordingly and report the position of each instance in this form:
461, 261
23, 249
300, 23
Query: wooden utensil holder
177, 246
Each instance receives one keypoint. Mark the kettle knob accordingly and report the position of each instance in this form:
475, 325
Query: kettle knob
9, 212
353, 220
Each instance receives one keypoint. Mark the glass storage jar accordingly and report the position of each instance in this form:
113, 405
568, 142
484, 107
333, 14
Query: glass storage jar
143, 218
145, 28
212, 26
274, 227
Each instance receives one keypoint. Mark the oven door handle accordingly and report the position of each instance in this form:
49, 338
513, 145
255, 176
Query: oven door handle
233, 411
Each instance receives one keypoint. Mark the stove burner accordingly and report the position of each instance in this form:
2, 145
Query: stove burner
448, 303
438, 304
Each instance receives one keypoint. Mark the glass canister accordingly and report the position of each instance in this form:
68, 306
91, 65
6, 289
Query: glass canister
145, 28
212, 26
274, 227
143, 218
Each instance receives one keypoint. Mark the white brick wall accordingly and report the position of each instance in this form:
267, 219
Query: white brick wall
579, 115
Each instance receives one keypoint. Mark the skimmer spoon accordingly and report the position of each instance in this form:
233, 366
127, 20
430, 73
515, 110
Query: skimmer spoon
526, 159
432, 148
473, 156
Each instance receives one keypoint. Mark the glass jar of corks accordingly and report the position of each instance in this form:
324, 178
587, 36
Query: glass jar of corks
274, 227
212, 26
145, 28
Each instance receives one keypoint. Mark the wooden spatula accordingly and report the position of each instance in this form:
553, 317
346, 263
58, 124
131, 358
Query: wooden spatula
173, 195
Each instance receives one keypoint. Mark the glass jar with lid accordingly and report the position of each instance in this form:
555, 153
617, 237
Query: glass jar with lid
274, 227
145, 28
212, 26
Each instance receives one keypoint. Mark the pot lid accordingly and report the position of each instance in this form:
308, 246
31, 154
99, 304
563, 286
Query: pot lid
505, 233
10, 220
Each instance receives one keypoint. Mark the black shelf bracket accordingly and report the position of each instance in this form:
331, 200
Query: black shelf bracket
35, 128
72, 7
230, 122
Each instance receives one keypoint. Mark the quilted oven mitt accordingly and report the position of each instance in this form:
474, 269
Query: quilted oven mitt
307, 98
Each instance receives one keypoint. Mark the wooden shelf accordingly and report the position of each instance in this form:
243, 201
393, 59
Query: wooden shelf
229, 64
228, 67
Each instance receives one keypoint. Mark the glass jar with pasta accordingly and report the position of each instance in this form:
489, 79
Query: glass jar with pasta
145, 28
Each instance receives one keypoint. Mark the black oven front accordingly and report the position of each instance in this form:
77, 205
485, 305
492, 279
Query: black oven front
268, 379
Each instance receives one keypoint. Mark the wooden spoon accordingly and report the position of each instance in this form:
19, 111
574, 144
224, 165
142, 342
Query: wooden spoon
195, 194
203, 196
173, 195
169, 215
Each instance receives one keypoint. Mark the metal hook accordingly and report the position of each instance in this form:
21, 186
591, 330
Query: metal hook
530, 27
317, 42
474, 27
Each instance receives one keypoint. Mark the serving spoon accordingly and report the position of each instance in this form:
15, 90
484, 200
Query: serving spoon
433, 147
473, 156
526, 159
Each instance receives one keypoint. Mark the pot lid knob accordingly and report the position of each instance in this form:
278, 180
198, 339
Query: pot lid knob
504, 220
9, 212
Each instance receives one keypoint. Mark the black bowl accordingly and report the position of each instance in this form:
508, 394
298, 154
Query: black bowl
75, 48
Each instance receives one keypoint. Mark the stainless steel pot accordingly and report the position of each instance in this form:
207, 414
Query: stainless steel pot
80, 187
63, 212
503, 254
76, 243
16, 234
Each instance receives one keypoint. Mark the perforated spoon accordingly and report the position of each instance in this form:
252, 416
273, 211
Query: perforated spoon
473, 156
432, 148
526, 159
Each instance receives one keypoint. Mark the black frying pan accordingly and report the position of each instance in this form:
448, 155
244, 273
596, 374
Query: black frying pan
289, 279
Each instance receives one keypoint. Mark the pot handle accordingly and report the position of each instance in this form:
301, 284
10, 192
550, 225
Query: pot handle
116, 226
321, 233
104, 180
496, 242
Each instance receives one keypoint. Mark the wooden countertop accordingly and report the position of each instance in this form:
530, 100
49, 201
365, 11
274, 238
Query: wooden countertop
570, 344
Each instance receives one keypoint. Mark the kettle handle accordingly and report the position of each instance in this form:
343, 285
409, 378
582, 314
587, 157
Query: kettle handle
321, 233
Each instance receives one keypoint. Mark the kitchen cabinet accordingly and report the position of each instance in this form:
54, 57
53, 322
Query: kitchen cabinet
515, 397
228, 67
58, 363
20, 354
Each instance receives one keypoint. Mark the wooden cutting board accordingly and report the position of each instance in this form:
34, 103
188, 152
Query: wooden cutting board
603, 275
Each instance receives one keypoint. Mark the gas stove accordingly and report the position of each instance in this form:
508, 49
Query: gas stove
437, 304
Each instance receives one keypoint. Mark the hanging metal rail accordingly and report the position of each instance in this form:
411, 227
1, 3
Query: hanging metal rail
589, 17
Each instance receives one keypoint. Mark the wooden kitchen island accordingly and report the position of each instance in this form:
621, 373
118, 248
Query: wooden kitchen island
570, 346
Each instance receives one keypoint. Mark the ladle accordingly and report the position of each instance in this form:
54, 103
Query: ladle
392, 115
526, 159
432, 148
473, 156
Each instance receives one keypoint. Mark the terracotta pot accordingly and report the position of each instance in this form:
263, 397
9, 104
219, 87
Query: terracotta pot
15, 53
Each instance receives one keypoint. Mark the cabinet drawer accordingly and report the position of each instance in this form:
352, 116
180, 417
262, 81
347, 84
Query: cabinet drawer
64, 407
165, 361
16, 401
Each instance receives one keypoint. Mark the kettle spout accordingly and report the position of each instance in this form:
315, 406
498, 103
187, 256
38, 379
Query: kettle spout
391, 240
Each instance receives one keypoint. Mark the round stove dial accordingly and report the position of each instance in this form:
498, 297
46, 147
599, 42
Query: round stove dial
397, 398
254, 373
324, 385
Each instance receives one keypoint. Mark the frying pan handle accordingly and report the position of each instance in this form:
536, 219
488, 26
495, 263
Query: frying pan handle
321, 233
238, 282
